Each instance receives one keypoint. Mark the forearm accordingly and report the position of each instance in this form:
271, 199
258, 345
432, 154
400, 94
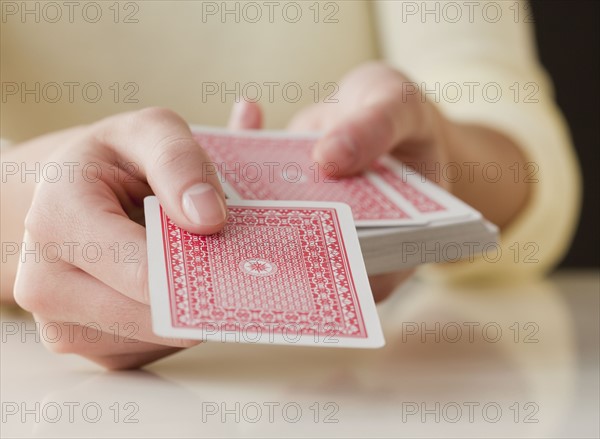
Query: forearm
493, 169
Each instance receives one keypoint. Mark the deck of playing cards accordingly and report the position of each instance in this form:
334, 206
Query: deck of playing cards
288, 267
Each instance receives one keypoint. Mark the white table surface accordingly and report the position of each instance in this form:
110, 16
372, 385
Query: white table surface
539, 381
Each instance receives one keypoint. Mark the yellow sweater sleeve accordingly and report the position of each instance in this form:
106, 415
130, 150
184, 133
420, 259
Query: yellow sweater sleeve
465, 64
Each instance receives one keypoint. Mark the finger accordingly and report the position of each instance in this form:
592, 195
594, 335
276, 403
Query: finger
245, 115
83, 224
359, 138
311, 119
176, 167
85, 339
131, 360
61, 293
383, 285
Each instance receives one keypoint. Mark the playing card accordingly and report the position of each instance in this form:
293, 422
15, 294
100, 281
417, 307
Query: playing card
278, 166
279, 272
430, 200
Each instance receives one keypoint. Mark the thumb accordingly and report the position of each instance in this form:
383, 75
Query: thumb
245, 116
359, 138
160, 144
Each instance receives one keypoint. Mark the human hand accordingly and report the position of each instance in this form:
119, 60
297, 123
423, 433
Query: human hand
376, 114
101, 304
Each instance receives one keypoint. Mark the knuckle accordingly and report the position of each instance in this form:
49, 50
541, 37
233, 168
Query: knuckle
172, 143
31, 290
27, 298
174, 150
157, 115
32, 299
36, 221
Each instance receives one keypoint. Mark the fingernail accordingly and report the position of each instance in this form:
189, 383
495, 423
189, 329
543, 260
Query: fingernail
203, 205
340, 149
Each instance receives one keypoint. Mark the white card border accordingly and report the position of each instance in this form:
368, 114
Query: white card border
158, 284
455, 208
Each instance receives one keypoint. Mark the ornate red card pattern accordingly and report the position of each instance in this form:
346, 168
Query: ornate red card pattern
300, 281
417, 198
281, 169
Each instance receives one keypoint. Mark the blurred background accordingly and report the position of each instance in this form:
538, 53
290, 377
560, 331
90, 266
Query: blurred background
568, 42
542, 371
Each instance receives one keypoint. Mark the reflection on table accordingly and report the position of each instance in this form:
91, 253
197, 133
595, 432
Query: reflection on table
459, 362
